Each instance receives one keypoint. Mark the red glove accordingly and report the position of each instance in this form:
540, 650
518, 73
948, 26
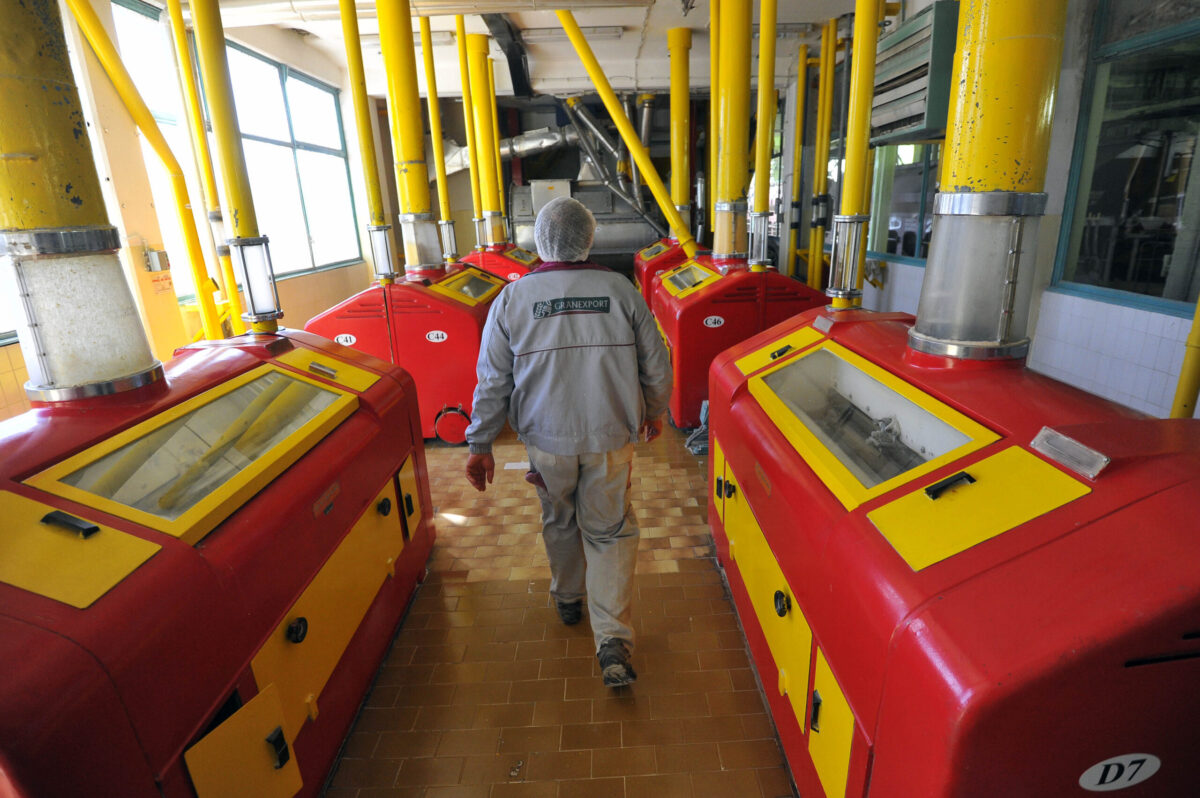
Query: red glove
479, 468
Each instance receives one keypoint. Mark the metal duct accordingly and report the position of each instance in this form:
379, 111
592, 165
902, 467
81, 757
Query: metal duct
529, 143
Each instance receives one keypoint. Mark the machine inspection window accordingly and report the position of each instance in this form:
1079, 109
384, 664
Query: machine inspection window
688, 277
1134, 224
861, 429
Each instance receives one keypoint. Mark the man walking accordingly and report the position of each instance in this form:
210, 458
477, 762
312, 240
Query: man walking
572, 356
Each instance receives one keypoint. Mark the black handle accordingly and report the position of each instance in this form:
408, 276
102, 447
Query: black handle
720, 488
813, 723
408, 504
938, 488
279, 747
783, 603
781, 351
730, 489
384, 507
298, 630
67, 521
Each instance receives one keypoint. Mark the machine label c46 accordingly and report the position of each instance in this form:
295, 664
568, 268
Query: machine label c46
1119, 772
714, 321
436, 336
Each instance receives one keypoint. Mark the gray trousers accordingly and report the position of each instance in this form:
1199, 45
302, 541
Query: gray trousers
591, 534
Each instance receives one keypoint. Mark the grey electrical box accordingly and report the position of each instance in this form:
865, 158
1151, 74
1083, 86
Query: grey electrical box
156, 261
913, 68
546, 190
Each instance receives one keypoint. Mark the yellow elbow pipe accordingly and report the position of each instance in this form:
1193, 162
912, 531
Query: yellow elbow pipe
469, 125
208, 177
766, 104
485, 138
797, 153
435, 117
362, 109
714, 107
679, 45
106, 52
613, 104
491, 67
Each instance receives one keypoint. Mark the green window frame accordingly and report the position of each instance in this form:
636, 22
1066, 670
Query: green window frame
1100, 54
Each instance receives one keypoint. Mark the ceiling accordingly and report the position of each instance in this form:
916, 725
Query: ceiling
634, 58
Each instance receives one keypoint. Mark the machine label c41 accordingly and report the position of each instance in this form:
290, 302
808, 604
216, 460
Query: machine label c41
1119, 772
436, 336
345, 339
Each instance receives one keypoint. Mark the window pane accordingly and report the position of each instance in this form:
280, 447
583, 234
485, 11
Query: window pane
1128, 18
164, 204
147, 54
908, 230
330, 214
1136, 225
314, 114
277, 204
258, 96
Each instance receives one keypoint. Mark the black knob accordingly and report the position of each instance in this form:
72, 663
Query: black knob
730, 489
298, 630
720, 487
384, 507
783, 603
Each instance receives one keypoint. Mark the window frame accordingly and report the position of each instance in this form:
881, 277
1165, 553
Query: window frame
1101, 53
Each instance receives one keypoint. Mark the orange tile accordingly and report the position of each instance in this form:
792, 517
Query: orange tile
366, 773
429, 770
775, 783
750, 754
532, 789
726, 784
651, 732
403, 745
530, 739
674, 785
592, 788
547, 765
537, 690
590, 735
469, 742
624, 761
556, 713
687, 758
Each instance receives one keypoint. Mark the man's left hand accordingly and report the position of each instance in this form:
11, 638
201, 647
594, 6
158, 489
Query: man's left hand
480, 467
651, 428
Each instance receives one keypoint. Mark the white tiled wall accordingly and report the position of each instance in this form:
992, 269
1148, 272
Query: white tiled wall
1127, 355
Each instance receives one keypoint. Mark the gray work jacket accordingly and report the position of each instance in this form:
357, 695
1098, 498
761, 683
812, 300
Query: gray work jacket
571, 353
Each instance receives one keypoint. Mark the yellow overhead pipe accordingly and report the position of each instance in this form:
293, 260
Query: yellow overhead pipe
408, 134
491, 67
485, 136
241, 218
820, 170
797, 155
764, 135
713, 138
102, 46
733, 174
208, 177
613, 104
469, 125
679, 45
435, 130
362, 109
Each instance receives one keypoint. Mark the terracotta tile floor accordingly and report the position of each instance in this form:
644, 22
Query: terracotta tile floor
486, 694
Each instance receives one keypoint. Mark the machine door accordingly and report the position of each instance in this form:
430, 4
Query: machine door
780, 617
718, 478
306, 646
410, 498
831, 731
247, 756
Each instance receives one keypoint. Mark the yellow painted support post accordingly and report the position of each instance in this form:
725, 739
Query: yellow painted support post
491, 67
208, 177
820, 179
422, 244
449, 253
362, 109
106, 53
764, 136
485, 138
733, 175
679, 45
460, 33
613, 104
797, 156
714, 108
1184, 404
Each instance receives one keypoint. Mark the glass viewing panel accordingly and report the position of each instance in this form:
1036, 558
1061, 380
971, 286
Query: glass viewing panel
688, 277
874, 432
168, 470
473, 286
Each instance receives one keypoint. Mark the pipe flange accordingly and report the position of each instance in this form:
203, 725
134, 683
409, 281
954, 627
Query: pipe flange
989, 203
59, 241
445, 223
375, 228
860, 218
735, 207
414, 217
973, 350
37, 393
492, 214
843, 293
252, 241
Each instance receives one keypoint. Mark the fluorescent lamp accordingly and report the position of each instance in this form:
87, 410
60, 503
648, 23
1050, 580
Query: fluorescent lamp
558, 34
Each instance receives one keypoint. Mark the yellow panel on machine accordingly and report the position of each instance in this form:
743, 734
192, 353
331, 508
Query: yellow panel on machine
832, 730
470, 286
688, 279
61, 556
329, 368
185, 470
522, 256
768, 354
980, 502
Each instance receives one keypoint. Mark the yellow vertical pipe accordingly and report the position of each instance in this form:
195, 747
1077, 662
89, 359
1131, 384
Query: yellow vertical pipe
797, 154
613, 104
714, 105
208, 177
485, 136
408, 134
861, 275
733, 174
1013, 50
766, 104
679, 45
362, 109
460, 33
858, 118
820, 179
491, 67
1184, 403
435, 117
106, 53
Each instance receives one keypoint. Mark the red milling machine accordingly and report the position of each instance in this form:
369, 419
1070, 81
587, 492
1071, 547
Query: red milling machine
957, 577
